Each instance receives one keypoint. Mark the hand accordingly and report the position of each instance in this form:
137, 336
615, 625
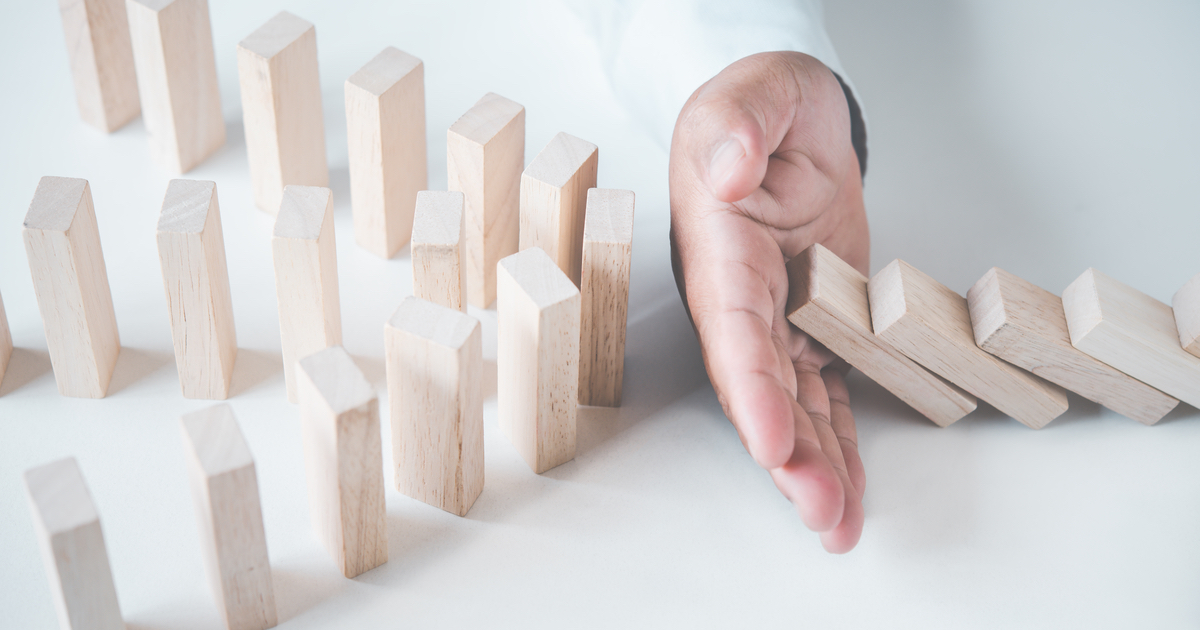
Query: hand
761, 168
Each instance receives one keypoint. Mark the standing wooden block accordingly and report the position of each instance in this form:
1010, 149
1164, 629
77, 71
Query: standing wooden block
828, 301
177, 80
191, 249
439, 255
1132, 332
553, 199
6, 346
72, 544
931, 325
281, 108
485, 153
1186, 305
604, 295
385, 121
435, 383
225, 488
343, 456
306, 282
97, 33
538, 357
71, 283
1026, 326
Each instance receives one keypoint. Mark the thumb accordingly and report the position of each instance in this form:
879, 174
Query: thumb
735, 160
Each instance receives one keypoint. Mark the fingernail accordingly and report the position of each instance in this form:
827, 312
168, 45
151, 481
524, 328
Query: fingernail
724, 160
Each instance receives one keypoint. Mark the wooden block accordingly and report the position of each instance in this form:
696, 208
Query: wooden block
343, 456
101, 56
306, 282
177, 80
604, 295
1186, 305
439, 254
1026, 326
1132, 332
191, 250
435, 389
6, 346
931, 324
71, 283
553, 199
72, 544
828, 301
225, 488
281, 108
485, 153
385, 122
537, 354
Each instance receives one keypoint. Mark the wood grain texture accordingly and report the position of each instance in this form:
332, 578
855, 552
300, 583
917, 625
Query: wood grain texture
485, 154
828, 301
177, 80
554, 198
191, 252
439, 250
385, 122
6, 346
1186, 306
281, 108
604, 295
1025, 325
435, 389
101, 56
537, 356
225, 489
1132, 332
306, 277
72, 543
71, 283
931, 324
343, 458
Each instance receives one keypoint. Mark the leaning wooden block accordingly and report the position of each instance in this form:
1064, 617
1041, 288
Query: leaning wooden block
1186, 305
604, 295
177, 80
1026, 326
72, 544
191, 250
931, 325
343, 456
225, 489
281, 108
485, 153
306, 281
385, 121
553, 198
71, 283
828, 301
435, 382
439, 253
537, 354
101, 57
1132, 332
6, 346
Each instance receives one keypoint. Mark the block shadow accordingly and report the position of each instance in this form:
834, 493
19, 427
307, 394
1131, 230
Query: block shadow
252, 368
134, 364
24, 367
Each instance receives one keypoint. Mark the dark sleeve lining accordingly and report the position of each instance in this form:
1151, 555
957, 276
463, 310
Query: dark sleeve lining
858, 129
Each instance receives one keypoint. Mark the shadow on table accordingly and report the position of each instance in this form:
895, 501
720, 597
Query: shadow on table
415, 542
252, 368
297, 591
134, 364
24, 367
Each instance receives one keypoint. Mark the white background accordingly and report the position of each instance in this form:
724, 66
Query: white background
1042, 137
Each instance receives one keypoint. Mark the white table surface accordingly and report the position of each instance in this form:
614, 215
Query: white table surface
1040, 137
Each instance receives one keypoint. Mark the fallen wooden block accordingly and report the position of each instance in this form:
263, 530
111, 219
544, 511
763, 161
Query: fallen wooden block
177, 79
191, 250
604, 295
306, 282
101, 56
537, 324
385, 121
71, 283
1026, 326
931, 325
6, 346
435, 382
1186, 306
1132, 332
553, 198
439, 254
828, 301
225, 488
281, 108
343, 456
72, 544
485, 153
